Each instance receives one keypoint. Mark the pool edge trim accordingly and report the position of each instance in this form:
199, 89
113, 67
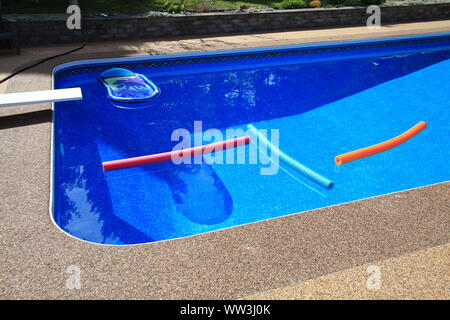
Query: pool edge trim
254, 50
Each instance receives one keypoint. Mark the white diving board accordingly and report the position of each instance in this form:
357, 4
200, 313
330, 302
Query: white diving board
34, 97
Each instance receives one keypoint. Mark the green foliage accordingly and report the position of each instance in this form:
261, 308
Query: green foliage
333, 3
171, 7
341, 3
371, 2
291, 4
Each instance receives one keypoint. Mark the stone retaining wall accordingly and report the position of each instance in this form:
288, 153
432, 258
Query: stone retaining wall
38, 31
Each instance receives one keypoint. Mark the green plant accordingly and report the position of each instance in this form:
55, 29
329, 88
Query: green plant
291, 4
371, 2
171, 7
340, 3
333, 3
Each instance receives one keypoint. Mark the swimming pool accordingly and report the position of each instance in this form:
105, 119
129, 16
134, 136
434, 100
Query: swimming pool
324, 100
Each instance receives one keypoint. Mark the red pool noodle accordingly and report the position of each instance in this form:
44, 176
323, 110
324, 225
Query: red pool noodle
167, 156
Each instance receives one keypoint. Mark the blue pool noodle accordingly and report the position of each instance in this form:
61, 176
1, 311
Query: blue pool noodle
304, 170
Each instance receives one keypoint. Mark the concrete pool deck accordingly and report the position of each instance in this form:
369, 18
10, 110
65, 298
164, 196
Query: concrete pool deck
322, 253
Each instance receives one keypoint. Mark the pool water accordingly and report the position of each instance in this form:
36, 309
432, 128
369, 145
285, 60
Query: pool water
325, 100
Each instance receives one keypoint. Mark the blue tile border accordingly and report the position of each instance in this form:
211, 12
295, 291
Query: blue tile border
98, 65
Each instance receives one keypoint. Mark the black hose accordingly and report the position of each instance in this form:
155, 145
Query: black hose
42, 61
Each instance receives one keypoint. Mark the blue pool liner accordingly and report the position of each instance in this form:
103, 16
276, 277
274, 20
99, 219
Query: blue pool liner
301, 168
321, 116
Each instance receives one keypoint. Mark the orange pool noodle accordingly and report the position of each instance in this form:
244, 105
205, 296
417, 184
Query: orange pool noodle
380, 147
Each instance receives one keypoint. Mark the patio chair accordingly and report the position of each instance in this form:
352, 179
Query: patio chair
8, 32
